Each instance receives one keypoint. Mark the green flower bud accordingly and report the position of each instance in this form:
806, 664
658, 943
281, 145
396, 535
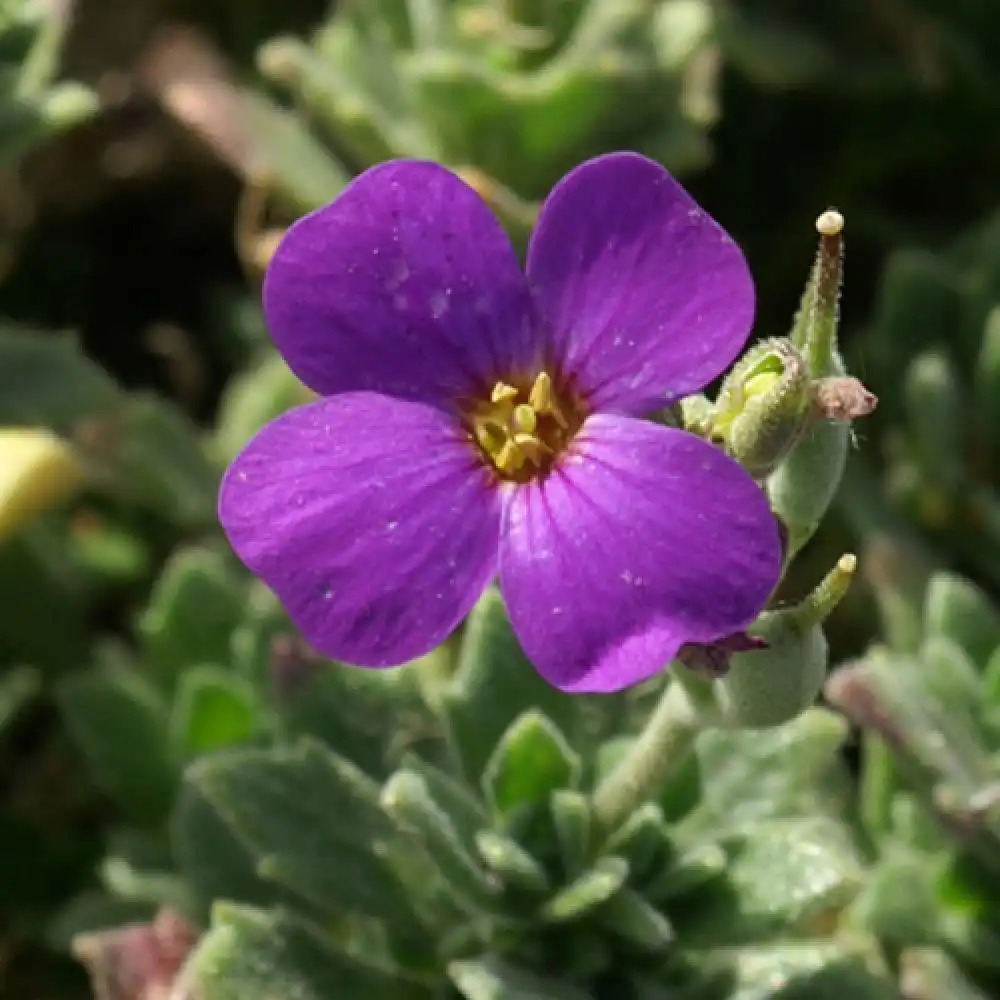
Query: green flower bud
696, 414
764, 406
803, 486
768, 687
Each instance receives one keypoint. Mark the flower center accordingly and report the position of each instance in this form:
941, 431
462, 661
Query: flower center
521, 431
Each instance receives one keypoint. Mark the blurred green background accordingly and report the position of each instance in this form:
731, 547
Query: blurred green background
151, 151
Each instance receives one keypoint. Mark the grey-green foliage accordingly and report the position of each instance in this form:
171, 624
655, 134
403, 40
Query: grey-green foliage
930, 782
514, 93
932, 354
149, 473
427, 833
33, 105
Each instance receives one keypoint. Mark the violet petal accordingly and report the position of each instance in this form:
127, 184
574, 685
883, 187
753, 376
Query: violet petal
646, 297
405, 284
372, 519
644, 538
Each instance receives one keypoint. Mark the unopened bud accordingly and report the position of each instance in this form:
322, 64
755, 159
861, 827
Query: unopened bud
696, 414
37, 472
803, 486
768, 687
814, 331
764, 406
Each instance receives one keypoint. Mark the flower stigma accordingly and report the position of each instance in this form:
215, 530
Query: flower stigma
522, 431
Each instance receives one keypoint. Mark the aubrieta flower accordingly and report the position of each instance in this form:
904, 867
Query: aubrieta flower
480, 423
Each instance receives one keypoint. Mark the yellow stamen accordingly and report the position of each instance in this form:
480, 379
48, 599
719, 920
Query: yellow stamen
520, 438
490, 435
503, 393
525, 420
532, 449
510, 458
543, 400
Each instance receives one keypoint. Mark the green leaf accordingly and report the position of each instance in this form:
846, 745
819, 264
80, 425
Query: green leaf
594, 887
158, 462
360, 714
19, 687
511, 862
406, 797
898, 903
531, 760
40, 586
255, 955
452, 796
312, 822
945, 673
936, 416
253, 398
493, 979
640, 838
212, 709
303, 173
784, 876
94, 911
120, 723
791, 770
628, 916
214, 863
960, 611
571, 818
687, 873
810, 970
125, 881
493, 685
46, 380
195, 606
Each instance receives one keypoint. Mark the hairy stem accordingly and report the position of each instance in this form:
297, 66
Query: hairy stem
664, 742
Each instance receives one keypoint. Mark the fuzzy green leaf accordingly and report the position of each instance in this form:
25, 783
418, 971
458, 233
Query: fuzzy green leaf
494, 684
960, 611
210, 857
196, 604
312, 822
46, 379
595, 886
256, 955
120, 723
212, 710
531, 760
493, 979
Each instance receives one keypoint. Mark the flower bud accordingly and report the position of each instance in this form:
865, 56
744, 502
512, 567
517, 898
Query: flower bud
696, 414
803, 486
37, 472
764, 406
768, 687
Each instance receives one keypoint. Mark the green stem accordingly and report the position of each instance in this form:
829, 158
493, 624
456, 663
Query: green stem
666, 739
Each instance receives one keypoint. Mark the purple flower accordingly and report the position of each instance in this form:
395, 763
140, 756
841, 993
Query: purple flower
479, 423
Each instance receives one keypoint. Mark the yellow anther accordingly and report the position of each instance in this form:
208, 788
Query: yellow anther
503, 393
541, 393
525, 420
510, 457
491, 436
531, 447
518, 437
543, 400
